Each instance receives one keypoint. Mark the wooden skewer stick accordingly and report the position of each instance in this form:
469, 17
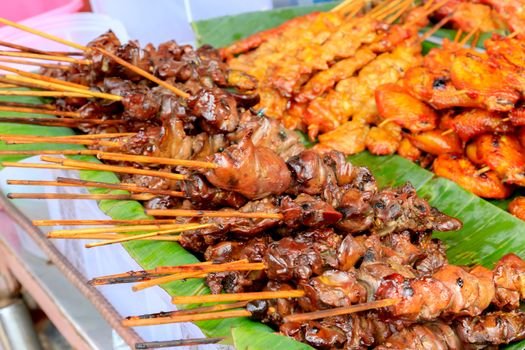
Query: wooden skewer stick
146, 235
213, 214
210, 316
166, 317
60, 87
156, 160
42, 93
207, 269
340, 310
38, 111
44, 57
216, 298
384, 122
109, 135
23, 48
446, 132
474, 42
459, 33
403, 8
113, 168
42, 77
161, 270
15, 139
178, 342
81, 196
67, 122
144, 73
35, 166
120, 186
111, 236
7, 86
430, 10
42, 34
99, 222
469, 35
115, 229
196, 270
515, 33
379, 11
35, 63
170, 317
482, 171
435, 28
47, 106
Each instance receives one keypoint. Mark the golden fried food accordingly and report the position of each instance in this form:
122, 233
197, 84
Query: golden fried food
517, 207
407, 150
475, 122
471, 152
505, 155
463, 172
436, 142
471, 71
395, 105
349, 138
383, 140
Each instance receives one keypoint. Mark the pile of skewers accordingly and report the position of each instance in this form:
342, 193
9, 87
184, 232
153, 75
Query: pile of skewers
302, 241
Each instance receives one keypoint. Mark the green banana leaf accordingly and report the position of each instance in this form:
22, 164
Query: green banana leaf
488, 232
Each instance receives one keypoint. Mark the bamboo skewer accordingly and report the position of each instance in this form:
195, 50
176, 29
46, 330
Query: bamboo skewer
208, 269
50, 152
178, 342
99, 136
111, 236
120, 186
167, 317
42, 34
47, 106
146, 235
213, 214
144, 73
35, 63
44, 57
35, 166
162, 270
38, 111
42, 93
60, 87
208, 316
7, 86
66, 122
99, 222
215, 298
113, 168
90, 196
156, 160
482, 171
16, 139
23, 48
435, 28
136, 228
340, 310
42, 77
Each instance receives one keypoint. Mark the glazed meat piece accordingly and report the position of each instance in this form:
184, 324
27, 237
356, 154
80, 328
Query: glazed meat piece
465, 174
503, 154
407, 150
509, 277
475, 122
384, 140
288, 259
472, 72
308, 211
394, 104
331, 289
401, 209
310, 174
517, 207
371, 273
205, 196
493, 328
435, 335
436, 143
254, 172
217, 108
273, 310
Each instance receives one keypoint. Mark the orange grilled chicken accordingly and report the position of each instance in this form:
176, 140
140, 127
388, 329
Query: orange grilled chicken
512, 11
436, 142
471, 152
517, 116
468, 16
395, 105
504, 154
384, 139
474, 122
349, 138
464, 173
407, 150
517, 207
472, 72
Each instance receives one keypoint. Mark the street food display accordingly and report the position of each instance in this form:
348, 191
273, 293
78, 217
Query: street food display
298, 238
